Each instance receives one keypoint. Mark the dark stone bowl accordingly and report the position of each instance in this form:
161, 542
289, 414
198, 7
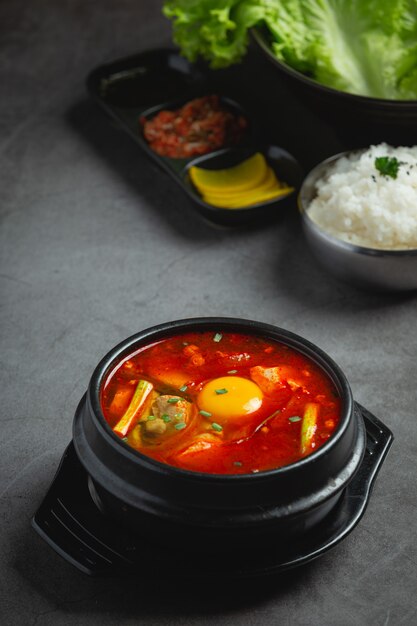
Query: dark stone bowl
170, 506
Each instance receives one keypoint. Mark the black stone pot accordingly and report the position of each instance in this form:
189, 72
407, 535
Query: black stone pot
201, 512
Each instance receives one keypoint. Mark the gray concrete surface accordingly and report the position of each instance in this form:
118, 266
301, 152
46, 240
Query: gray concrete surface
96, 244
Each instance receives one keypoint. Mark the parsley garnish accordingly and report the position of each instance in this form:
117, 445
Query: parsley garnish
387, 166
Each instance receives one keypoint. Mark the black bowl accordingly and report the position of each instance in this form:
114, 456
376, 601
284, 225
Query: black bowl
171, 507
359, 119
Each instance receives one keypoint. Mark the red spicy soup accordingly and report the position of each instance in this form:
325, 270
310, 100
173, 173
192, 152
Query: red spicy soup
221, 403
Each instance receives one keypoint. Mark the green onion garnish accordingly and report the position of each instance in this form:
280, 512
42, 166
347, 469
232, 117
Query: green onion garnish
183, 388
151, 418
166, 418
237, 463
215, 426
173, 400
217, 337
180, 426
178, 416
205, 413
124, 439
232, 372
220, 391
295, 418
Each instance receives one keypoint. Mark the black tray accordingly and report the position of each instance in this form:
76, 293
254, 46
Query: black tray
74, 527
141, 85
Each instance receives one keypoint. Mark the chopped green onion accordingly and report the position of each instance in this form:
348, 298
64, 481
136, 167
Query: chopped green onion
238, 463
178, 416
135, 409
217, 337
166, 418
124, 438
173, 400
220, 391
217, 427
295, 418
151, 418
180, 426
232, 372
183, 388
205, 413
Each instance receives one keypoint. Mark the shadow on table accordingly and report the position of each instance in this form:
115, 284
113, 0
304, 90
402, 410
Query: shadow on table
124, 157
298, 276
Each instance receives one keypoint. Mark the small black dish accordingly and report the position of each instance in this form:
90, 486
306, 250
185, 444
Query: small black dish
284, 165
132, 88
354, 116
70, 522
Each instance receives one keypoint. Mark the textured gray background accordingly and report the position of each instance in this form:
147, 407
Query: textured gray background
97, 244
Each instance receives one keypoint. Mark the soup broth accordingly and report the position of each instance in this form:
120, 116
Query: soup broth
221, 403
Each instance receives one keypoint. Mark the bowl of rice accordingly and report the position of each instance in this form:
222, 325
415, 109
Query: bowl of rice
359, 215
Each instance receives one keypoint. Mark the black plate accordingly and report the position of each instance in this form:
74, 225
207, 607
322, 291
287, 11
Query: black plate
138, 86
74, 527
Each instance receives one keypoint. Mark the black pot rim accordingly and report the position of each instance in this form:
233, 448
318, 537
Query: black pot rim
230, 324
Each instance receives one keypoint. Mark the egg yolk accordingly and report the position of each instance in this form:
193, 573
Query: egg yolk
230, 397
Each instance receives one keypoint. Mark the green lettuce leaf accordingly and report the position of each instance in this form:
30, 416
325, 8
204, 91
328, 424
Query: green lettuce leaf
216, 30
367, 47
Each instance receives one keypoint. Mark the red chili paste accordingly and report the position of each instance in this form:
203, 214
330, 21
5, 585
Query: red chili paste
200, 126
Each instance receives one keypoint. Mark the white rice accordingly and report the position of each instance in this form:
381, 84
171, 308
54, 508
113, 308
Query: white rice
357, 204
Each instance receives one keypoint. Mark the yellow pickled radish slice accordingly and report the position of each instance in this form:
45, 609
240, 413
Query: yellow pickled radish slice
246, 175
248, 199
270, 183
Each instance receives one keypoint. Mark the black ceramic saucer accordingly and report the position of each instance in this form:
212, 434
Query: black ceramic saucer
74, 527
